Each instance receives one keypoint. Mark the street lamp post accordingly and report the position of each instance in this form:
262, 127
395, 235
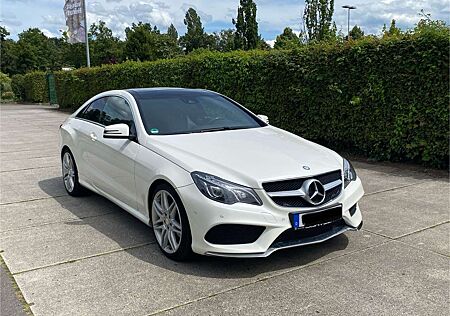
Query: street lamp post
348, 7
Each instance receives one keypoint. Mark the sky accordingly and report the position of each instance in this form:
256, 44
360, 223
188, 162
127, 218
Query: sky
273, 16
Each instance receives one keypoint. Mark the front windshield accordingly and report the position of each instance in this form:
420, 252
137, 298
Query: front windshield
168, 114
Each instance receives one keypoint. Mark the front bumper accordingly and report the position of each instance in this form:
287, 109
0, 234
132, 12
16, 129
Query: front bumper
204, 214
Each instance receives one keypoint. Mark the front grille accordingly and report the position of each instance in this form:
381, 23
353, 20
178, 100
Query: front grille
304, 234
332, 194
295, 184
228, 234
291, 201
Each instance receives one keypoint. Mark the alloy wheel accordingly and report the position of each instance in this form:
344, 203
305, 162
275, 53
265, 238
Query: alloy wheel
68, 169
166, 221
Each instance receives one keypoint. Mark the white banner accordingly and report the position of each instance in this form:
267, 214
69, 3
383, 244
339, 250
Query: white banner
74, 12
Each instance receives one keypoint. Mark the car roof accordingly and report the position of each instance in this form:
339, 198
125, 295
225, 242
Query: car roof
144, 93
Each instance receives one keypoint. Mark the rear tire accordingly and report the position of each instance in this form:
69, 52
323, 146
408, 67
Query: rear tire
170, 223
70, 175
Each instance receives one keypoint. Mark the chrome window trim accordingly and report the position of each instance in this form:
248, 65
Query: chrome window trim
107, 96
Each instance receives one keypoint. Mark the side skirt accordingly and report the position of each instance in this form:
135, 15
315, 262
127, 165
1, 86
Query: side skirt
122, 205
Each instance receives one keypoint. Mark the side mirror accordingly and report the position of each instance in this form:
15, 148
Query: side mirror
264, 118
119, 131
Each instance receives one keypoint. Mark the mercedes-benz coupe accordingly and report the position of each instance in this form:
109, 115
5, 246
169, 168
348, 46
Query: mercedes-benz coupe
206, 174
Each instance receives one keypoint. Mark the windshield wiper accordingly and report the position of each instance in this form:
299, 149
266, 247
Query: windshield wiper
216, 129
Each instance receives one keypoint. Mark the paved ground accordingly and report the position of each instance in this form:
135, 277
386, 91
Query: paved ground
85, 256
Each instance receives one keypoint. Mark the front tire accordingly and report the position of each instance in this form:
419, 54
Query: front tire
70, 174
170, 223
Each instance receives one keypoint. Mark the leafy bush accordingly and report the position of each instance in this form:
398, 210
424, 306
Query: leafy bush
35, 87
18, 86
8, 95
384, 98
5, 83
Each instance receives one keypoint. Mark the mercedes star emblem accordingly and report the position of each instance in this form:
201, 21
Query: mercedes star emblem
314, 191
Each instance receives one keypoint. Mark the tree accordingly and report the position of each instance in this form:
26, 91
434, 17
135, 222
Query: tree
195, 36
8, 55
262, 44
393, 30
356, 33
104, 47
172, 32
287, 40
427, 25
35, 51
317, 17
224, 40
74, 55
146, 43
140, 42
3, 34
246, 36
5, 83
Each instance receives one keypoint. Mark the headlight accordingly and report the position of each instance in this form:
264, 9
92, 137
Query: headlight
349, 173
224, 191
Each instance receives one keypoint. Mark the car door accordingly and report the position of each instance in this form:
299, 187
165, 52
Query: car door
88, 128
114, 159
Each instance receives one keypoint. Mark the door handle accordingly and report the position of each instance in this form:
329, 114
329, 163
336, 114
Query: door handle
93, 136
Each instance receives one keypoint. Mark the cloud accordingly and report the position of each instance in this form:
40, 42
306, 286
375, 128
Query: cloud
271, 43
273, 16
48, 33
205, 17
57, 20
371, 15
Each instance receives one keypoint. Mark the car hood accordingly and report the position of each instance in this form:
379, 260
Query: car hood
247, 156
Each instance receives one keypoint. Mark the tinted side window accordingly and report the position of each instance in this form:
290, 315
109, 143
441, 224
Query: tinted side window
94, 111
116, 111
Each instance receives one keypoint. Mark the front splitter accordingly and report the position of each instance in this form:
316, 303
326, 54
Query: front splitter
286, 245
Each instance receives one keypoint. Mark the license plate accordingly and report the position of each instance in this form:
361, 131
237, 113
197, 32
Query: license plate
318, 218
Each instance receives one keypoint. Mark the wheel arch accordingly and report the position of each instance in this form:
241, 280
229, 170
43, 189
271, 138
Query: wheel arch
64, 149
152, 189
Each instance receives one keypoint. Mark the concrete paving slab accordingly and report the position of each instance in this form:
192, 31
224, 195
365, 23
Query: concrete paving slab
8, 146
30, 134
142, 280
18, 131
40, 212
11, 148
407, 210
435, 239
29, 154
30, 163
61, 242
380, 178
389, 279
31, 184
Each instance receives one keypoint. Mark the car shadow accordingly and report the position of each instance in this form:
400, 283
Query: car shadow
137, 240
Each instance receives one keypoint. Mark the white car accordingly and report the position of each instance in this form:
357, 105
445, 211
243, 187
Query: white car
206, 174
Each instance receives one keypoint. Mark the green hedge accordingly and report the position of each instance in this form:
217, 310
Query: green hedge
31, 87
18, 87
386, 99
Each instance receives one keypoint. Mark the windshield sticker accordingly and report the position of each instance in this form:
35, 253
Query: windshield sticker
154, 131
